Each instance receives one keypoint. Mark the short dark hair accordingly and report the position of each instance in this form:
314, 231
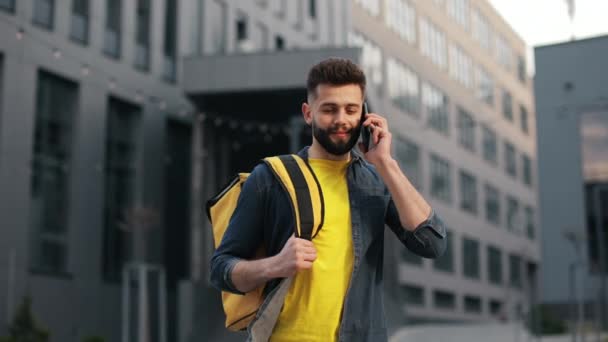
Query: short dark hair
335, 71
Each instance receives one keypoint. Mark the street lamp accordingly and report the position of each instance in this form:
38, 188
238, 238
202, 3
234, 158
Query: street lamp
576, 237
599, 236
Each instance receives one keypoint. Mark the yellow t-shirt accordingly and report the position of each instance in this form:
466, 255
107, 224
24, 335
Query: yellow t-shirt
313, 305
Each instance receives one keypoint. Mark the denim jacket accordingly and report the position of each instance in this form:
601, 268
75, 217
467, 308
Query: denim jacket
263, 216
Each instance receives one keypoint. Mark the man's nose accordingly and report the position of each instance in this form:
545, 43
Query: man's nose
340, 116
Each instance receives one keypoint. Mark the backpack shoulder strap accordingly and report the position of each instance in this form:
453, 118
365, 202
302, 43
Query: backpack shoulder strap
303, 188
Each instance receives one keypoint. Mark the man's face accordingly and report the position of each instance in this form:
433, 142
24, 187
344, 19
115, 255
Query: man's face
335, 116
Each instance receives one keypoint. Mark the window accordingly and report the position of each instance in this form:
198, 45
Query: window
445, 262
170, 43
507, 105
530, 230
400, 16
411, 258
142, 46
481, 30
513, 214
504, 53
403, 88
494, 265
490, 145
485, 86
472, 304
521, 69
408, 155
435, 104
371, 6
461, 66
121, 160
523, 114
515, 268
468, 192
7, 5
79, 28
459, 11
466, 126
56, 106
510, 160
444, 299
492, 204
241, 28
112, 36
44, 11
526, 169
432, 43
495, 307
279, 43
414, 295
371, 59
312, 8
441, 187
470, 255
282, 8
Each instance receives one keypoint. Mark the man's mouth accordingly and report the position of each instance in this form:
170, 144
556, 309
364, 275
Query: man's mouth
341, 134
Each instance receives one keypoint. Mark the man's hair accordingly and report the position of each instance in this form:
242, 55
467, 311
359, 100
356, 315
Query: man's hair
335, 71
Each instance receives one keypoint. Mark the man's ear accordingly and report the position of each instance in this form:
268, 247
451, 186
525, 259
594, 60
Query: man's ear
307, 113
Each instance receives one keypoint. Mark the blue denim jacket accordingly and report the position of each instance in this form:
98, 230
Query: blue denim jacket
263, 216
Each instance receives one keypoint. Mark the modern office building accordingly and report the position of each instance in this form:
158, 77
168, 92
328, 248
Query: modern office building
572, 106
97, 140
95, 143
92, 123
451, 78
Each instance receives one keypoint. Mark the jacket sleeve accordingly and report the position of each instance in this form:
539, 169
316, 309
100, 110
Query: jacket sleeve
243, 235
428, 240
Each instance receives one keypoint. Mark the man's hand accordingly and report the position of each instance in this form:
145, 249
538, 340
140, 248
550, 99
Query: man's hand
297, 254
411, 206
381, 138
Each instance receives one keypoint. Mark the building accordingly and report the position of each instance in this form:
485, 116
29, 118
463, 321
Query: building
572, 106
451, 78
95, 104
95, 122
91, 111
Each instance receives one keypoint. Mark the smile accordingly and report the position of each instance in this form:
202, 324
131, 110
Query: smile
341, 134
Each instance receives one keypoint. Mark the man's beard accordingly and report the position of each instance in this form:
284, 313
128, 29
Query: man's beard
340, 148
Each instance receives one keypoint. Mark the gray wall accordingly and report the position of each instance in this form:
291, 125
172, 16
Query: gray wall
582, 64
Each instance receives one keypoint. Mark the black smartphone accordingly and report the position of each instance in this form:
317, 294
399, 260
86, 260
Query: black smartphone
366, 132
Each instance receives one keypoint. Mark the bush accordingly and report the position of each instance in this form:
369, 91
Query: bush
549, 323
24, 328
91, 339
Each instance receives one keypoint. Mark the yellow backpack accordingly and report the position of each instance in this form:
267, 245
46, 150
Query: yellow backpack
302, 186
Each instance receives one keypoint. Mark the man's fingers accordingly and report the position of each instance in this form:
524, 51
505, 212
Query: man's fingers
376, 120
303, 243
310, 256
378, 133
304, 265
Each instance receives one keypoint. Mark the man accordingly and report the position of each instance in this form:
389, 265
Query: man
336, 288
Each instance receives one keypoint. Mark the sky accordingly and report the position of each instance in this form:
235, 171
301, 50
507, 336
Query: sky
541, 22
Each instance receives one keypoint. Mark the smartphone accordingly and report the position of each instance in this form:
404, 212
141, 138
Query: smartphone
366, 132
